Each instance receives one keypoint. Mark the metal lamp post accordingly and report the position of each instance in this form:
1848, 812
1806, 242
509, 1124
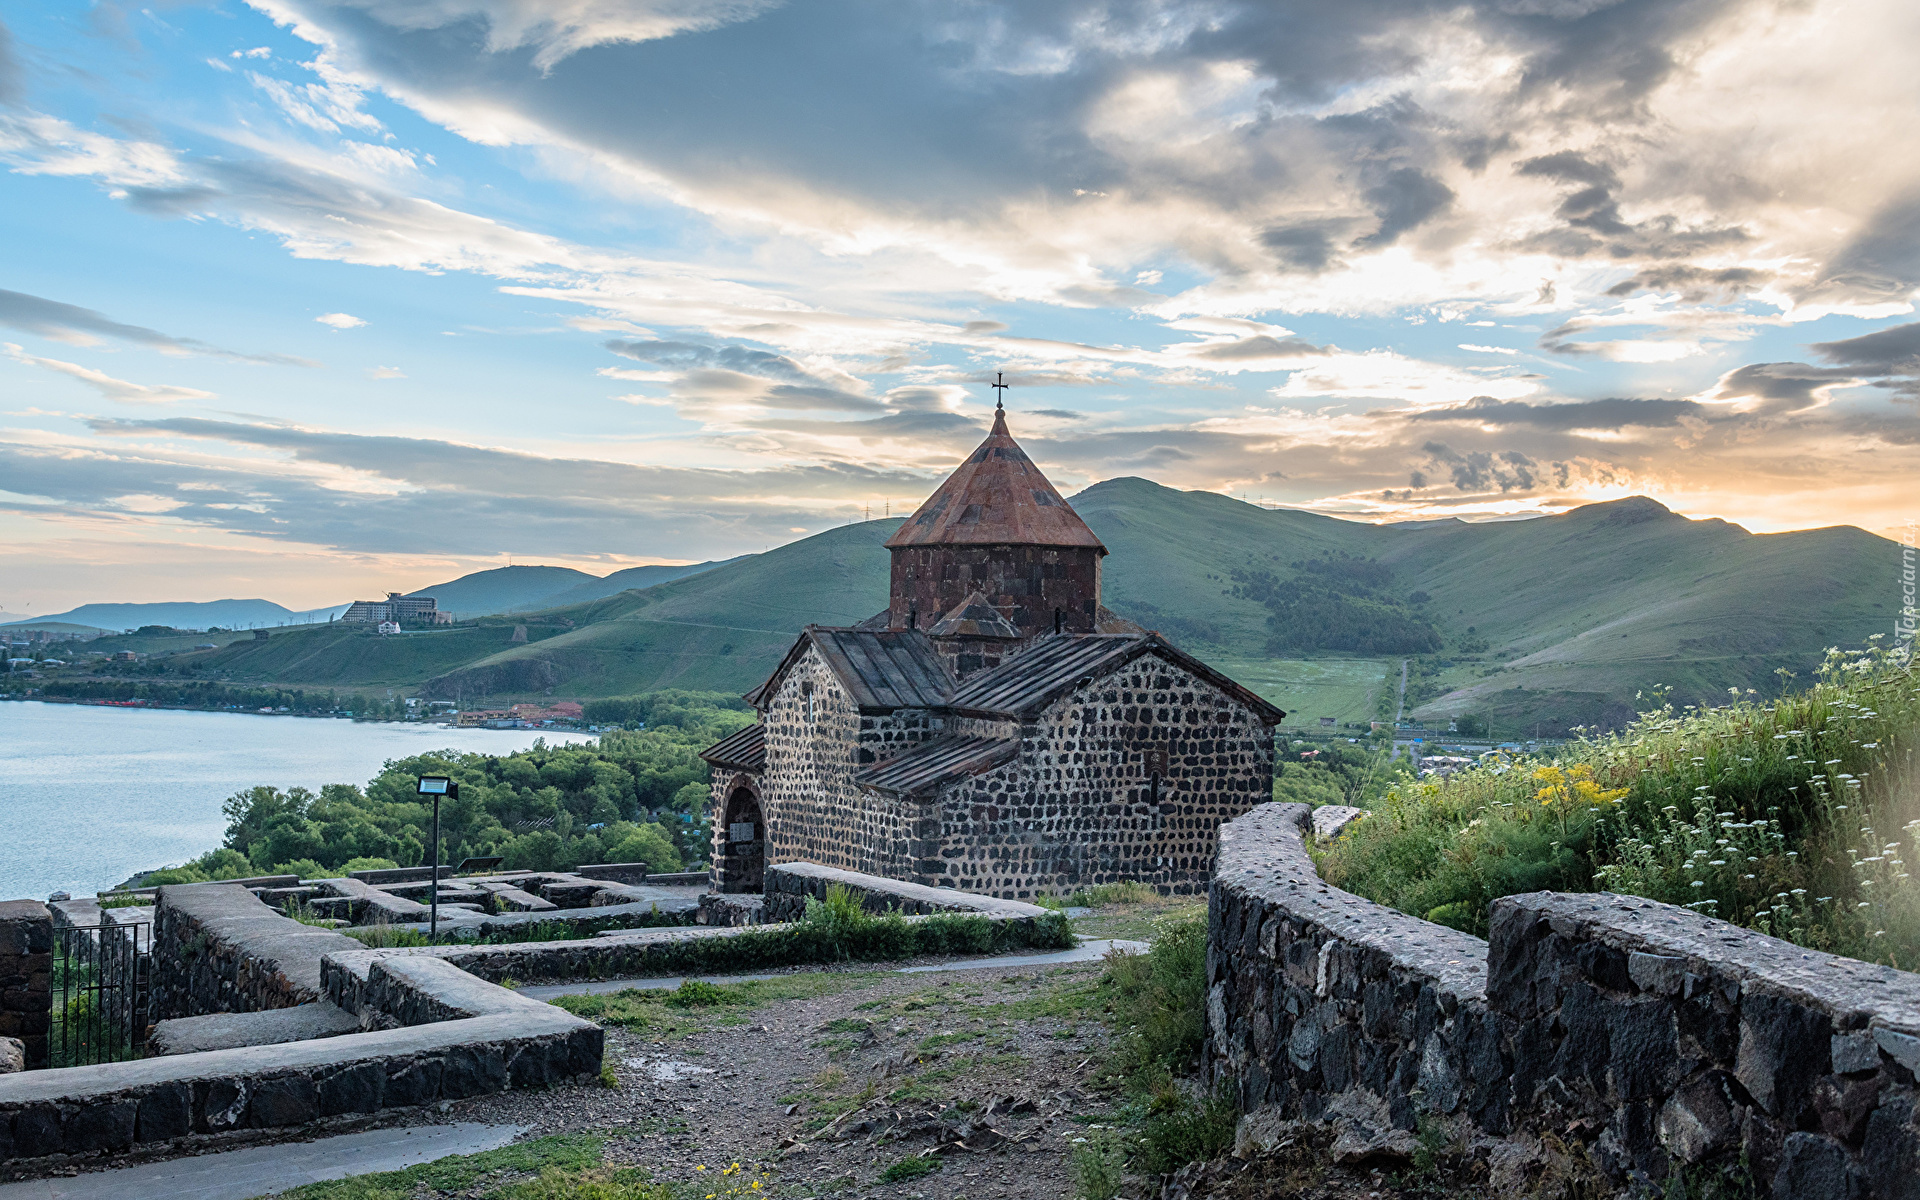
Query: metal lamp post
436, 786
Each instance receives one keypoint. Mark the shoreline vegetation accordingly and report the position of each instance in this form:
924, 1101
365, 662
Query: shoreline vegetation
1797, 817
635, 795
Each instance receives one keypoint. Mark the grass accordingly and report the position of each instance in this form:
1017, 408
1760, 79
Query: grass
697, 1005
1796, 817
125, 901
571, 1152
561, 1167
910, 1168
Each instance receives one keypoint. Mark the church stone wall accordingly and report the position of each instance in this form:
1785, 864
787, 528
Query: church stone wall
814, 811
1079, 808
1025, 583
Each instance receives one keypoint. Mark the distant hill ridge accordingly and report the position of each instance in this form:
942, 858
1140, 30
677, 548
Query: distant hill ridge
1553, 621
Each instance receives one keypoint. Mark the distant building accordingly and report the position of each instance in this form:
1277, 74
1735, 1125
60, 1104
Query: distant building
1327, 722
483, 716
261, 635
387, 627
126, 656
401, 610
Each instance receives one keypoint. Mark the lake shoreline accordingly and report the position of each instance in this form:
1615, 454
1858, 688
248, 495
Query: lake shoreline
88, 800
580, 729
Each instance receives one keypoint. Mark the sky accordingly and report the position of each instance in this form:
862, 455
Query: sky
314, 299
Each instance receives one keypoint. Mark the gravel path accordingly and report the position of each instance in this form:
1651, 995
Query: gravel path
993, 1096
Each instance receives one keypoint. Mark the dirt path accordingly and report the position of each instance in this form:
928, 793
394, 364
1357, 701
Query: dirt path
980, 1080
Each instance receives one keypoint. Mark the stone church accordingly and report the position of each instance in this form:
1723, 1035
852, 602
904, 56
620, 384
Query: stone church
995, 728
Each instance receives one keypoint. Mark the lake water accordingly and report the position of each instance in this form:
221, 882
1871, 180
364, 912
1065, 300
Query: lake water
90, 796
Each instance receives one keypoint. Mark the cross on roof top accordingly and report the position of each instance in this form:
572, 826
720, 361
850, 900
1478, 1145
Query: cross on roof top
1000, 389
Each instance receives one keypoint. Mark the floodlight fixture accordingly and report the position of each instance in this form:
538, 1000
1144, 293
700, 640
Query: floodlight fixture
436, 787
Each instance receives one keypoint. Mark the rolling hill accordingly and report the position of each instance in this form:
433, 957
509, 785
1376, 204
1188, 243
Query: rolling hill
206, 614
502, 589
1551, 622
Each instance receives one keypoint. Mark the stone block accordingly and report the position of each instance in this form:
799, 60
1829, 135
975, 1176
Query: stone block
1890, 1156
219, 1105
1783, 1049
283, 1100
359, 1088
1696, 1122
37, 1132
13, 1055
165, 1113
1812, 1166
93, 1128
1851, 1052
1661, 974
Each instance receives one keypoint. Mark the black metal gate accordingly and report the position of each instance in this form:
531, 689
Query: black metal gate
100, 994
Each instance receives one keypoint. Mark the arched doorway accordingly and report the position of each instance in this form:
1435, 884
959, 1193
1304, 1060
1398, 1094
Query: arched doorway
746, 843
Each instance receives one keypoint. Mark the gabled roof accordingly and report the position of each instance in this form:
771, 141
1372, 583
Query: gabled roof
930, 764
744, 751
1035, 678
997, 497
974, 617
883, 670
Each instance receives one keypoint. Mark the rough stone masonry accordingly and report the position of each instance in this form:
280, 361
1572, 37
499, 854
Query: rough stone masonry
1654, 1038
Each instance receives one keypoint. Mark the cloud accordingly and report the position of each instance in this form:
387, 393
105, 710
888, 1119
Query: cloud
10, 73
83, 327
1610, 414
107, 385
1886, 351
340, 320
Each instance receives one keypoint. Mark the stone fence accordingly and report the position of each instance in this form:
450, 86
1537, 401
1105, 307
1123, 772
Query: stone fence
1650, 1037
790, 885
443, 1035
218, 949
26, 977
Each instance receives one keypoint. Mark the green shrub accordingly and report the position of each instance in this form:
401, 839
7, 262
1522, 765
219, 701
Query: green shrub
912, 1167
306, 868
1181, 1128
1794, 817
649, 844
364, 863
1160, 999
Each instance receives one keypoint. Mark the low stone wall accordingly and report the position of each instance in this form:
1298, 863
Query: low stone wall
178, 1102
732, 908
1654, 1038
26, 976
443, 1035
218, 949
790, 885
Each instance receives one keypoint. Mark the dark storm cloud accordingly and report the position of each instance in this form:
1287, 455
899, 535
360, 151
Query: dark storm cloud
1615, 413
1261, 346
1307, 246
1483, 470
459, 499
1696, 285
1592, 221
1888, 350
66, 322
1881, 260
1405, 199
687, 356
722, 370
1781, 386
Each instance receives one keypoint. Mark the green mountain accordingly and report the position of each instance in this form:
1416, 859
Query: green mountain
203, 614
503, 589
1547, 622
631, 579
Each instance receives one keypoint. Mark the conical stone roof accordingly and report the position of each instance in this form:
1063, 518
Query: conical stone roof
997, 497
